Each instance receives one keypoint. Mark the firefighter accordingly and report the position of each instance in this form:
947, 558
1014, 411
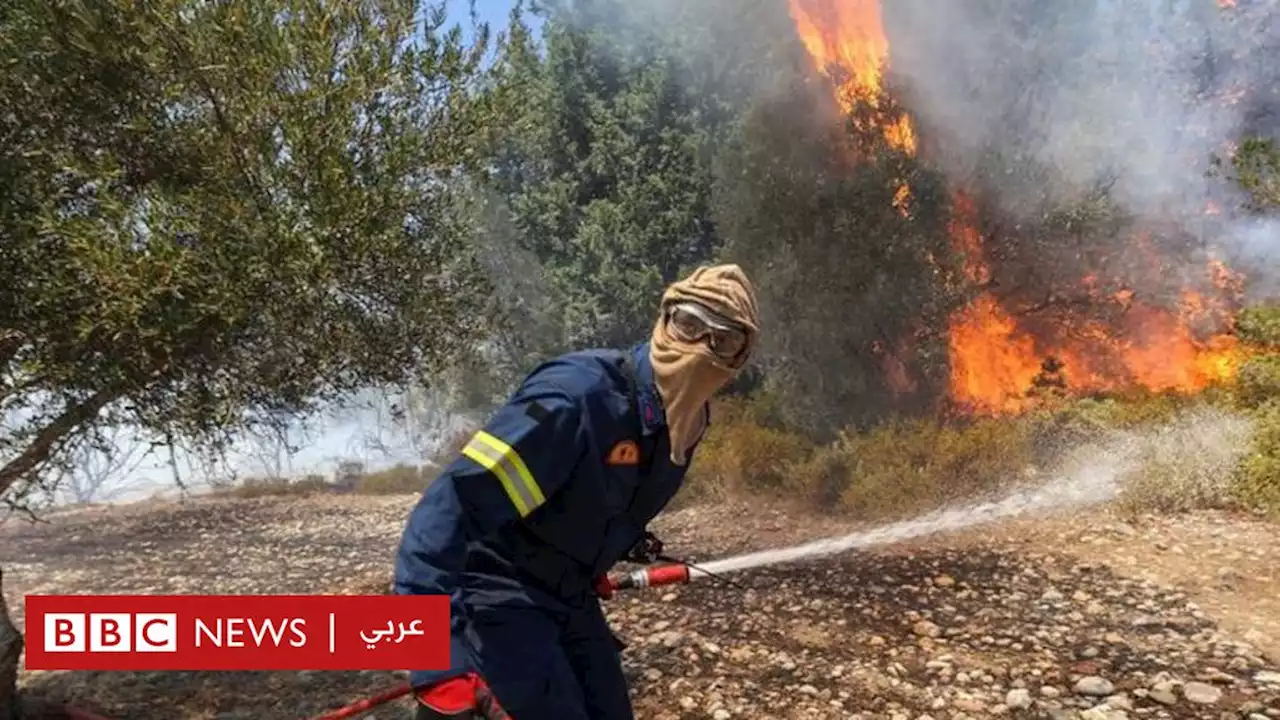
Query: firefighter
558, 486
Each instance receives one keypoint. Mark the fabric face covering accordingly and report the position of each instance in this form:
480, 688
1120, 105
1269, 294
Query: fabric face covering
689, 371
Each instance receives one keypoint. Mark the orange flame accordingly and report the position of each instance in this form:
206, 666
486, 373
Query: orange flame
849, 35
996, 358
996, 362
990, 359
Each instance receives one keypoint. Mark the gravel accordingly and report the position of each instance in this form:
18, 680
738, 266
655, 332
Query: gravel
947, 629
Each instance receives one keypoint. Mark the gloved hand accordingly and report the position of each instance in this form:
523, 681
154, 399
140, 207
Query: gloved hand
646, 550
466, 697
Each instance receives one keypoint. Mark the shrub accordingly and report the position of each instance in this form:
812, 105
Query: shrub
263, 487
1172, 453
824, 477
1186, 464
1259, 380
1085, 419
741, 453
1258, 477
1260, 325
401, 479
1258, 389
904, 467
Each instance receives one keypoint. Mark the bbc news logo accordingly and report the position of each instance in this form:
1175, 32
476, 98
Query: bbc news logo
111, 632
237, 632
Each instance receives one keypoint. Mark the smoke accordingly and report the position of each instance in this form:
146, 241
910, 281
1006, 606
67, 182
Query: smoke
1256, 244
1136, 94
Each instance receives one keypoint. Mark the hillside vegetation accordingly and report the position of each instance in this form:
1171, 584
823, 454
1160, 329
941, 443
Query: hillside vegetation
220, 221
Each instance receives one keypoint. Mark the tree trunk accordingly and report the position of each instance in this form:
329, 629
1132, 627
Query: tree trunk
47, 439
10, 650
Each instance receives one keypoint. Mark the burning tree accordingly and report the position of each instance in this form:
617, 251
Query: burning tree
826, 200
1082, 294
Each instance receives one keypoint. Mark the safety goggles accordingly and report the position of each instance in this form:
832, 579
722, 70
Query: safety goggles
693, 323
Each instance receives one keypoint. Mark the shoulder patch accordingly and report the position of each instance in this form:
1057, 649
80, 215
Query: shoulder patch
536, 411
626, 452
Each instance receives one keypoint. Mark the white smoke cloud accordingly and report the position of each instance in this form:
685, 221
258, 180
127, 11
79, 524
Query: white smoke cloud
1141, 92
1255, 243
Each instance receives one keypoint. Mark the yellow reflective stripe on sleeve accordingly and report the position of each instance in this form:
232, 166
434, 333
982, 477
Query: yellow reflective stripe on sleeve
496, 468
502, 460
510, 455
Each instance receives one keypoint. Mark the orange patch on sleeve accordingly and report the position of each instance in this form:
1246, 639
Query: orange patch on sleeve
625, 452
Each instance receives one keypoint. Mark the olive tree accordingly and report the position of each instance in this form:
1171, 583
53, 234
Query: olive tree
217, 213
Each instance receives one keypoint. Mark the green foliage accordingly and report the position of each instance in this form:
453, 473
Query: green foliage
210, 213
855, 291
742, 453
603, 175
1259, 378
1258, 481
601, 186
1258, 388
1260, 325
1256, 166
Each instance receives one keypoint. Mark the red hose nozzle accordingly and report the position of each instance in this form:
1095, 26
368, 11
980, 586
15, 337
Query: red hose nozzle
673, 574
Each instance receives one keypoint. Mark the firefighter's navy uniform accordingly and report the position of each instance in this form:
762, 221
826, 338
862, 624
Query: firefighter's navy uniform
555, 490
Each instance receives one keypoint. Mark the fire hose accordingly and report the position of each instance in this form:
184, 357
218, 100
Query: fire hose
674, 572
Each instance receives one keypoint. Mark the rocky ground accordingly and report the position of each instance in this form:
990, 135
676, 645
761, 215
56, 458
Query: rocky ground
1089, 617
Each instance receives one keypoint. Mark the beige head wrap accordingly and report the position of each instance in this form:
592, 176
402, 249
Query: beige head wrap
688, 374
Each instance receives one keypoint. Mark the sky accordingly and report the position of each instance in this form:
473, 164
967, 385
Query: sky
331, 440
493, 12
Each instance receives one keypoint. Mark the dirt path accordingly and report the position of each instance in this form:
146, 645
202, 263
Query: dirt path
1086, 617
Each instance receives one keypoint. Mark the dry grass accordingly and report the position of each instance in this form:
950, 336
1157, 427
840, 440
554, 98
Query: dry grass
897, 469
904, 468
254, 487
1181, 454
1188, 464
743, 454
398, 480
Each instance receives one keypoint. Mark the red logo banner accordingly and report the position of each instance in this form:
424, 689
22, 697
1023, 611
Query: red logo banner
237, 632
